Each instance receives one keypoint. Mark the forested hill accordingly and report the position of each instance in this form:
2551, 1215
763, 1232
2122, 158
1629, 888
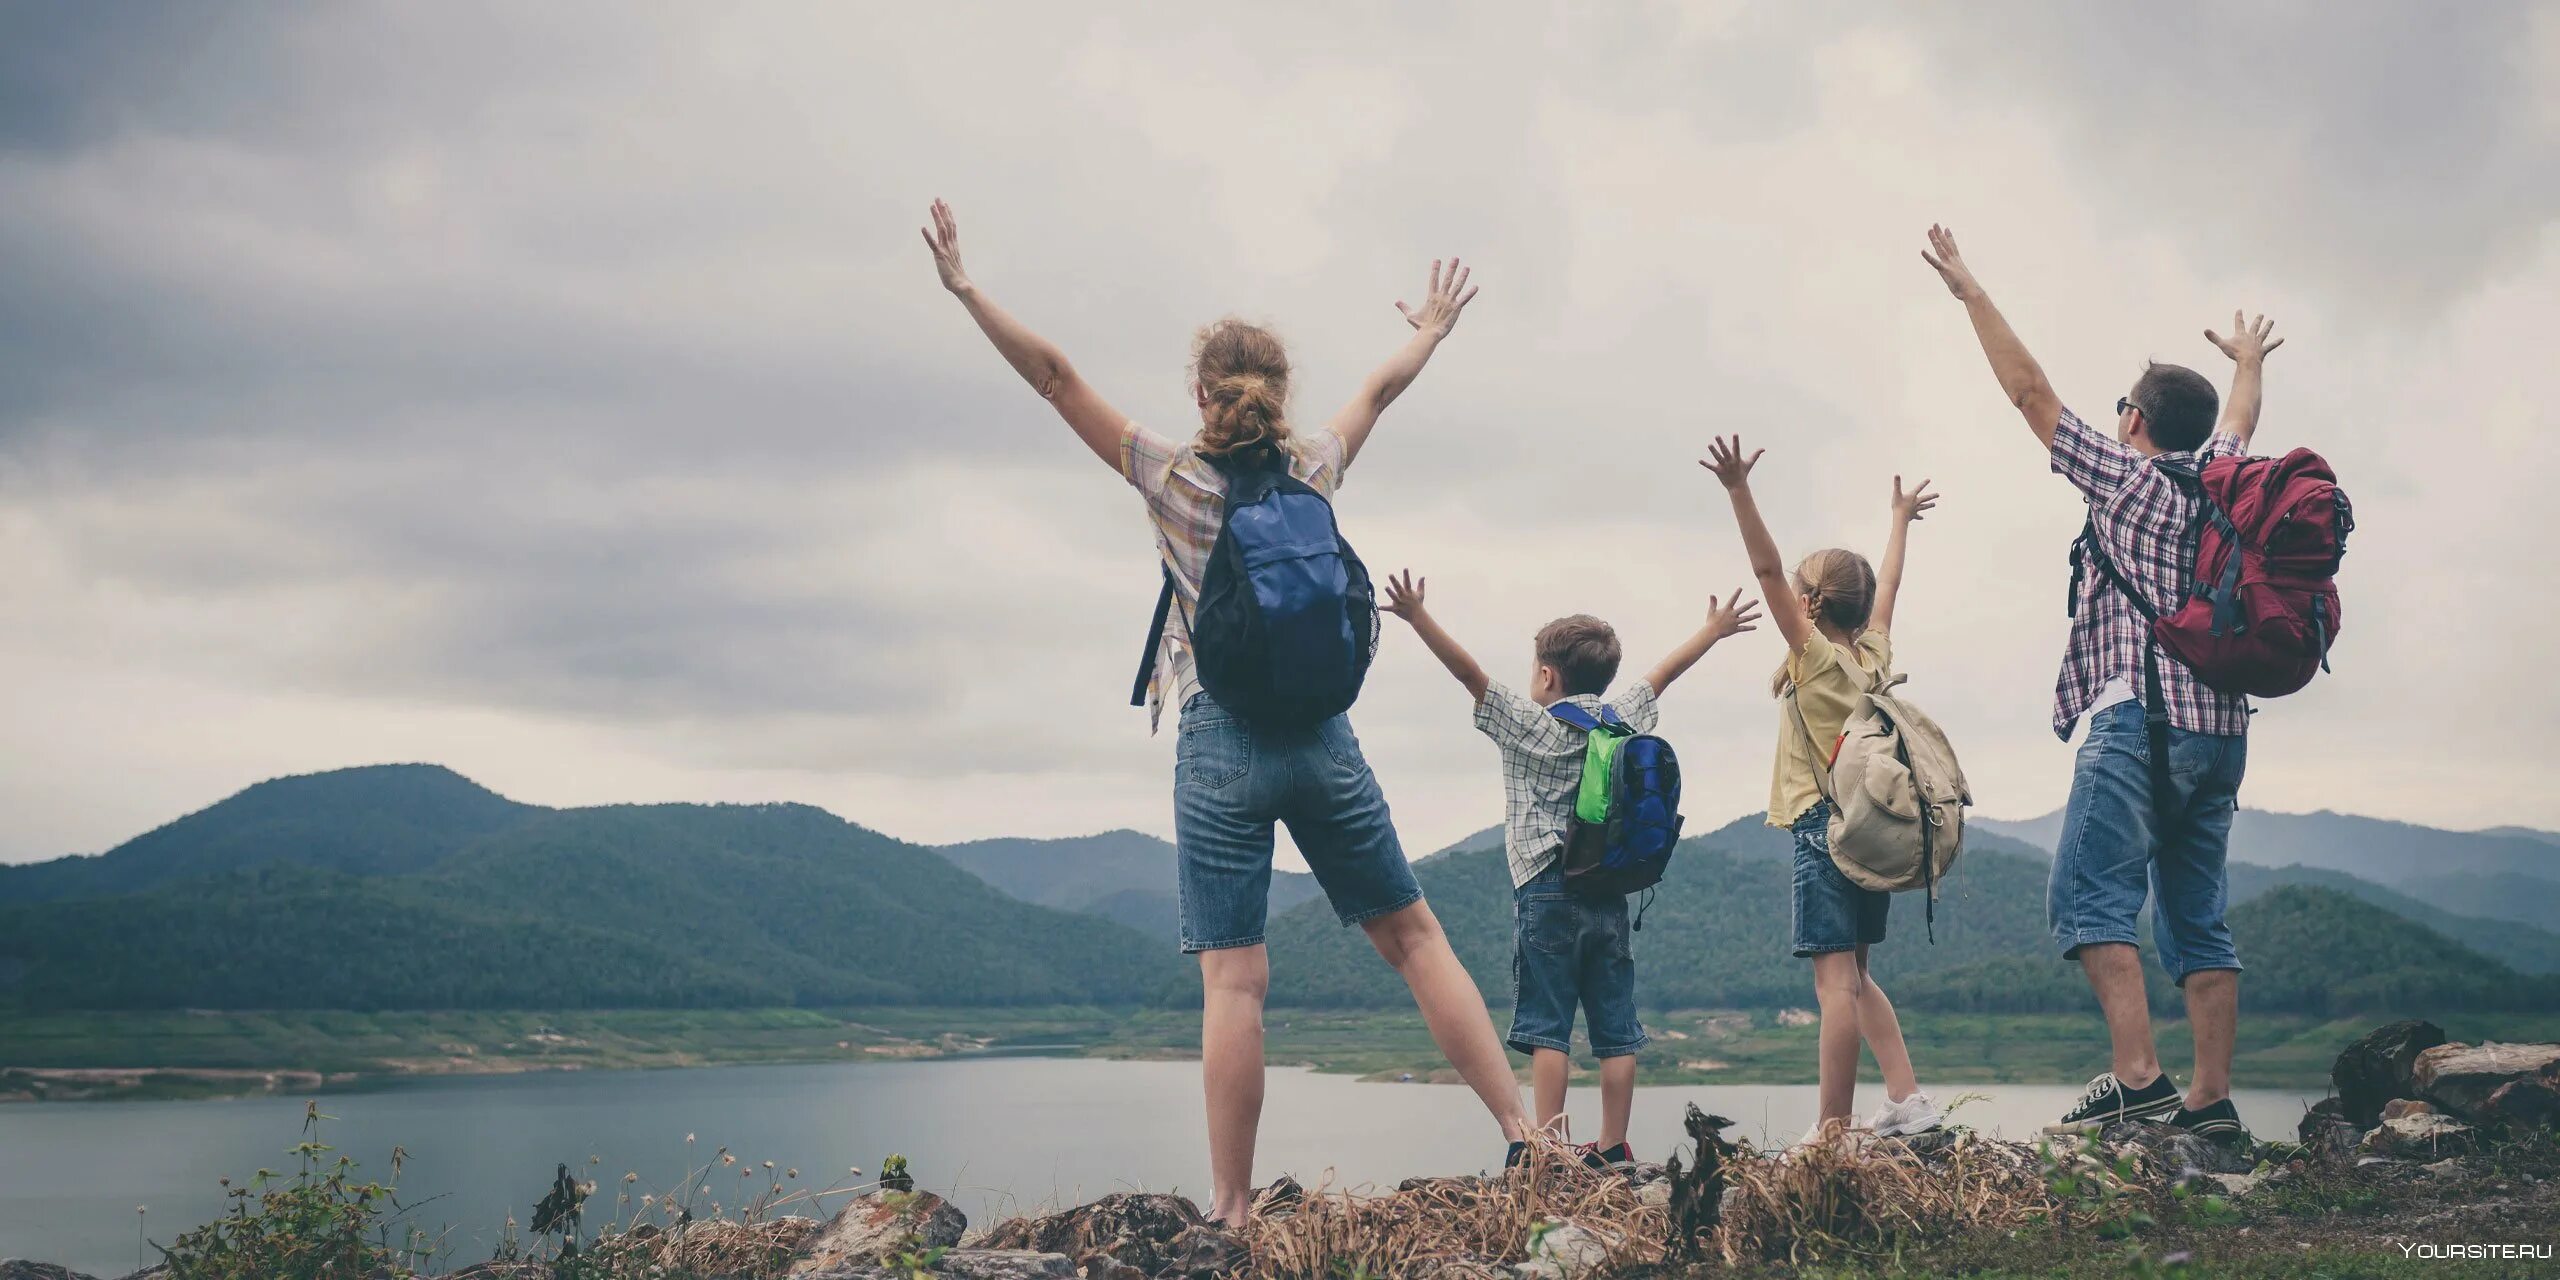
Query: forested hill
619, 906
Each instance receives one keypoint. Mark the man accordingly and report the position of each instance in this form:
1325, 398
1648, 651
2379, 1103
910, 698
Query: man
2126, 829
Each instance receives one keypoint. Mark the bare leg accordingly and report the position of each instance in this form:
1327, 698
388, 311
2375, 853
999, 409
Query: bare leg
1411, 941
2115, 973
1835, 987
1882, 1031
1233, 981
2213, 1012
1617, 1098
1547, 1071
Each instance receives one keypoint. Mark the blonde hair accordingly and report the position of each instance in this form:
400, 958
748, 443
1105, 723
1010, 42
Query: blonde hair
1841, 589
1243, 373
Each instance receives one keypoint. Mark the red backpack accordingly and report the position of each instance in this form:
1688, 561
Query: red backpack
2263, 608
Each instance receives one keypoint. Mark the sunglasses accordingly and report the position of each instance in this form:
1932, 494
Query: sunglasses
2123, 403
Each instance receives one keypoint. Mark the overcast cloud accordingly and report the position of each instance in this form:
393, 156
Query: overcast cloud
563, 394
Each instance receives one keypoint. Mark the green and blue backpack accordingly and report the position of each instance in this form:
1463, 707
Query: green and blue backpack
1626, 815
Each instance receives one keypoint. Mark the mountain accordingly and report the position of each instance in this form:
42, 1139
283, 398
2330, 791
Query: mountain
387, 819
2525, 947
2499, 895
663, 905
2524, 833
2377, 849
1127, 876
1716, 936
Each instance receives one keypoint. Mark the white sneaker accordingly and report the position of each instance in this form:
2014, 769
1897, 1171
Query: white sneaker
1915, 1114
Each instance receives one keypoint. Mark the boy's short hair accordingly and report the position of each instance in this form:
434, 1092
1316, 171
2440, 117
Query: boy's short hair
2179, 404
1583, 650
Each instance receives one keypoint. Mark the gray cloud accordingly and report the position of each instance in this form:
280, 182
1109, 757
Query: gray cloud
563, 393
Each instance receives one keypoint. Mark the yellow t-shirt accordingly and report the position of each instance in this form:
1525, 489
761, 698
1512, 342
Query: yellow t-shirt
1828, 694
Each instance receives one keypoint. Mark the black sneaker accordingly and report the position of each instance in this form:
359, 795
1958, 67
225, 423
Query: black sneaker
2217, 1122
1519, 1152
1617, 1157
2106, 1101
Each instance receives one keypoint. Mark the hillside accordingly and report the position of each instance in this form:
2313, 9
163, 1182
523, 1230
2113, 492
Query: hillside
1125, 876
587, 908
2377, 849
374, 820
2525, 947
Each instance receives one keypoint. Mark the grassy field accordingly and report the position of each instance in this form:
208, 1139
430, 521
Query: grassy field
188, 1054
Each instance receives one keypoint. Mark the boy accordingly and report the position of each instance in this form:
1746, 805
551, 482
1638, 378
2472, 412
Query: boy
1567, 948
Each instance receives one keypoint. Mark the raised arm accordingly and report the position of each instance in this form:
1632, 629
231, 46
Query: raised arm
1732, 616
1907, 509
2248, 348
1404, 600
1786, 608
2021, 378
1037, 359
1438, 314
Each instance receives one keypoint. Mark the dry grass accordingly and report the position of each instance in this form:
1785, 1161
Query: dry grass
1454, 1227
710, 1247
1839, 1199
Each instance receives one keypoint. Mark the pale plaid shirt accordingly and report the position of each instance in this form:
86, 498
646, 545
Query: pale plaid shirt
1187, 500
1542, 766
2147, 523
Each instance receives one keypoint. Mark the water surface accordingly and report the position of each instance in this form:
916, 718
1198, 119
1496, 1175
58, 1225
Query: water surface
996, 1135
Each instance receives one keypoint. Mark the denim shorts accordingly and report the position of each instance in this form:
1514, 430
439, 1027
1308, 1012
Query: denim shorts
1232, 781
2113, 847
1570, 949
1832, 914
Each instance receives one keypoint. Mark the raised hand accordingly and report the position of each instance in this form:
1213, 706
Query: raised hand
1724, 457
1943, 255
1731, 616
1449, 296
943, 237
1404, 594
2248, 340
1911, 506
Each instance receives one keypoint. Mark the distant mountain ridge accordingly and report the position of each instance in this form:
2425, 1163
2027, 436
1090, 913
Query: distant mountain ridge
1121, 875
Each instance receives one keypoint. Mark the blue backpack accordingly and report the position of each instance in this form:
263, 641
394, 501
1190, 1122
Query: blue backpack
1288, 621
1626, 816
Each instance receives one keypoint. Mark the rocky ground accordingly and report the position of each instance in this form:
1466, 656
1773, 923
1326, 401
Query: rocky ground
2432, 1158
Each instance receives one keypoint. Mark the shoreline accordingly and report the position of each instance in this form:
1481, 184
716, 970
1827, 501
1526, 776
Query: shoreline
211, 1054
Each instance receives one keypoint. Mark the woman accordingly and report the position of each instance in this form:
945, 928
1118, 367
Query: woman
1232, 781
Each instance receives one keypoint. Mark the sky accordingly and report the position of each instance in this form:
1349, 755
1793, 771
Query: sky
563, 393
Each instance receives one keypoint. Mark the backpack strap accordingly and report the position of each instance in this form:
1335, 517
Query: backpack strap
1584, 720
1812, 753
1155, 640
2155, 704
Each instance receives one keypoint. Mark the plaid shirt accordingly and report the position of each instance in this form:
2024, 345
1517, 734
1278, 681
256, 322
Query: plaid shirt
1187, 499
2146, 523
1542, 766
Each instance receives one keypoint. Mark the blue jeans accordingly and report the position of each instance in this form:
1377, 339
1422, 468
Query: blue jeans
2114, 846
1232, 781
1832, 912
1571, 949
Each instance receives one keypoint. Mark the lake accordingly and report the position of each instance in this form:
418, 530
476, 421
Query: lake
995, 1134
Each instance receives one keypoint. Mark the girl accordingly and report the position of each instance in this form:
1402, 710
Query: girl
1836, 647
1233, 780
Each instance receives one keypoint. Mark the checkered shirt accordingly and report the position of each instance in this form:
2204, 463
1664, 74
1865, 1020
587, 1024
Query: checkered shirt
2147, 524
1542, 766
1187, 501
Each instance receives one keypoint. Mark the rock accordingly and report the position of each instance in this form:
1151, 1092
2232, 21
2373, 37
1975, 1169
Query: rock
2172, 1154
2425, 1136
2445, 1168
1656, 1194
1537, 1269
506, 1270
1460, 1183
2460, 1077
1575, 1249
1202, 1252
1282, 1196
1137, 1229
1644, 1171
1933, 1142
2325, 1129
2399, 1107
970, 1264
2376, 1069
1103, 1266
2236, 1185
2519, 1105
877, 1224
12, 1269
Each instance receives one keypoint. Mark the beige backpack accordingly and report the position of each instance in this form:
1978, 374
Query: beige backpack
1897, 794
